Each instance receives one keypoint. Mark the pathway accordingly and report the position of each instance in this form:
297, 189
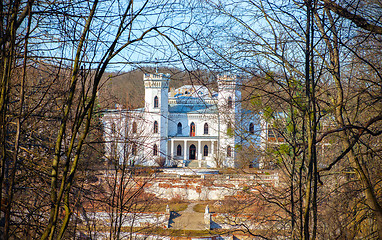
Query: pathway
188, 219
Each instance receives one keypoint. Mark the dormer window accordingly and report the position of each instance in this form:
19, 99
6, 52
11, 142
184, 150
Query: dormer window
229, 102
156, 102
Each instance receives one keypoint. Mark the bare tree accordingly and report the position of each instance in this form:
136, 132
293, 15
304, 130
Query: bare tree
284, 48
70, 45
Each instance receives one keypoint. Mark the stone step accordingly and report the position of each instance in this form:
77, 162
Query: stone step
193, 164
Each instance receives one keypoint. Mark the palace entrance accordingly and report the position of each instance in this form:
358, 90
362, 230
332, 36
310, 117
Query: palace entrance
192, 153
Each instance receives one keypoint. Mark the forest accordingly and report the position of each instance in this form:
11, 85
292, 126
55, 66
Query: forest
318, 62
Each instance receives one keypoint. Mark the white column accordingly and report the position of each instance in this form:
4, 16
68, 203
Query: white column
212, 149
184, 153
166, 161
200, 153
172, 152
213, 153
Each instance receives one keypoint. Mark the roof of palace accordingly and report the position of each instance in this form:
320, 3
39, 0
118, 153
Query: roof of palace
188, 99
194, 99
193, 91
192, 108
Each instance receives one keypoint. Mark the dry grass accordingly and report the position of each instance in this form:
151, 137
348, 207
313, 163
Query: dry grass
161, 206
200, 207
227, 206
184, 233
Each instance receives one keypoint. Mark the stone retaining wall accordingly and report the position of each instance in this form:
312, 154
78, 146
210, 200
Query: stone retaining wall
205, 188
130, 219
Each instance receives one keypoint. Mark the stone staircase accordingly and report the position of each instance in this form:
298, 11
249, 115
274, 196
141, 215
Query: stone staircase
193, 164
188, 219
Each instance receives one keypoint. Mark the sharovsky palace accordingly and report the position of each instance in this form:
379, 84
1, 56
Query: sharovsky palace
191, 126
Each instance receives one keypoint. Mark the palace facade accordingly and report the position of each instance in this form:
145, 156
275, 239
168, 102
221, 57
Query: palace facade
191, 126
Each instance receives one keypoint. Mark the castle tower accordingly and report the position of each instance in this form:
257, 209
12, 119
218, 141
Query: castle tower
229, 105
229, 93
156, 106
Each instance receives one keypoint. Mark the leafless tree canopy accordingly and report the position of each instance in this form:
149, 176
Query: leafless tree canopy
311, 69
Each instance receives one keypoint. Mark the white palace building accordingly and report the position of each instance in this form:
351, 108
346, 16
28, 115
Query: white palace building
188, 127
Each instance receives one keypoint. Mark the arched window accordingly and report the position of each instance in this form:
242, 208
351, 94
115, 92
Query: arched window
113, 149
113, 128
134, 127
229, 151
205, 151
206, 128
192, 129
179, 150
251, 128
192, 152
134, 149
179, 131
155, 127
155, 150
229, 102
271, 133
229, 128
156, 102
